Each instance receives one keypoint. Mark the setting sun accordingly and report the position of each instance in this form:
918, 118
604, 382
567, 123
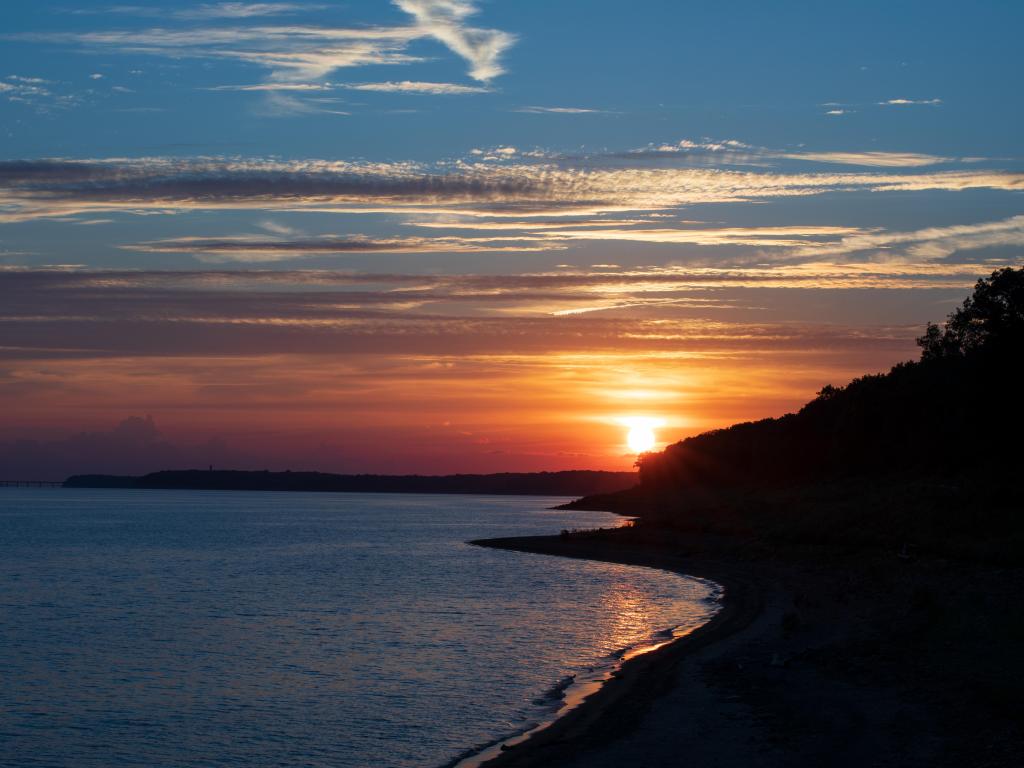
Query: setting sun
641, 437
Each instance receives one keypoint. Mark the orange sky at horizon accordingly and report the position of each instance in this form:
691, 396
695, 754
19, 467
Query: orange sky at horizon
435, 412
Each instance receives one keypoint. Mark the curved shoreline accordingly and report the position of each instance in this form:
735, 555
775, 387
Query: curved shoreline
618, 704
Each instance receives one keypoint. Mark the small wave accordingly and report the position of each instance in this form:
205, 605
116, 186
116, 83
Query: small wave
556, 692
480, 753
572, 689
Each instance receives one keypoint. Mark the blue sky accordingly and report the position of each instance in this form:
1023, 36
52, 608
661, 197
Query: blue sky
655, 71
540, 178
581, 98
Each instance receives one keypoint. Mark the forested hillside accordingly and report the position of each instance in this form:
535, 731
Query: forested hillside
930, 451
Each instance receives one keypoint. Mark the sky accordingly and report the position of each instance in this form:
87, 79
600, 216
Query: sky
478, 235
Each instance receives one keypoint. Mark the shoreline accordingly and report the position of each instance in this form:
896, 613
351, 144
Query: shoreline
825, 656
615, 703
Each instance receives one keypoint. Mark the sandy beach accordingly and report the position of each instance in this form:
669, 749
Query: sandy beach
816, 658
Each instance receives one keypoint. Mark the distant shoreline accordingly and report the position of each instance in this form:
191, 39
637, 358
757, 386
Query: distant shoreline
567, 483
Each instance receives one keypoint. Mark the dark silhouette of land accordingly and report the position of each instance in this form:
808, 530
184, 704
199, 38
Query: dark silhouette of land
927, 455
569, 483
872, 550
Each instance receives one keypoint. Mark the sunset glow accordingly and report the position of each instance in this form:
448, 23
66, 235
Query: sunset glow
641, 438
386, 238
503, 383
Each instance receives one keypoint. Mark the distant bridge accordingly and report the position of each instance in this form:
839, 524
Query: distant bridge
30, 484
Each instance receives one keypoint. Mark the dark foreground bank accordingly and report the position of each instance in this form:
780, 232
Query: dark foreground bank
819, 657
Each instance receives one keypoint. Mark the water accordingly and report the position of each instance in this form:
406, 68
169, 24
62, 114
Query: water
164, 628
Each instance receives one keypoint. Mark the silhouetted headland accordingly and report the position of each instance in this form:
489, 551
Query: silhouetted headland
927, 455
871, 546
569, 483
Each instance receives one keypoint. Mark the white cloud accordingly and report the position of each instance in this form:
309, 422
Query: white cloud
909, 102
268, 249
278, 229
32, 91
278, 104
300, 54
873, 159
773, 237
273, 87
444, 20
496, 153
557, 110
208, 10
241, 10
932, 243
736, 152
514, 188
407, 86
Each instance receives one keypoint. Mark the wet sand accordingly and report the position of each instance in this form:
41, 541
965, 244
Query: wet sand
816, 658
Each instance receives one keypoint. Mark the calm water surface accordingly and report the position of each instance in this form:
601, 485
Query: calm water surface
164, 628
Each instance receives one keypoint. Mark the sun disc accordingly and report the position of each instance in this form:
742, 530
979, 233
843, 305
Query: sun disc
640, 439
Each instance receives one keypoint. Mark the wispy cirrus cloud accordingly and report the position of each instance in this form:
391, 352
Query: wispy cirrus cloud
402, 86
45, 95
306, 345
445, 20
928, 243
511, 189
446, 222
308, 356
267, 87
869, 159
35, 92
408, 86
770, 237
225, 10
735, 152
292, 53
257, 249
558, 110
283, 105
345, 310
820, 242
910, 102
302, 53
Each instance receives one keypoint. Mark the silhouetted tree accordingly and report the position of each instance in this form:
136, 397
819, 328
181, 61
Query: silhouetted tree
828, 392
952, 412
993, 316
